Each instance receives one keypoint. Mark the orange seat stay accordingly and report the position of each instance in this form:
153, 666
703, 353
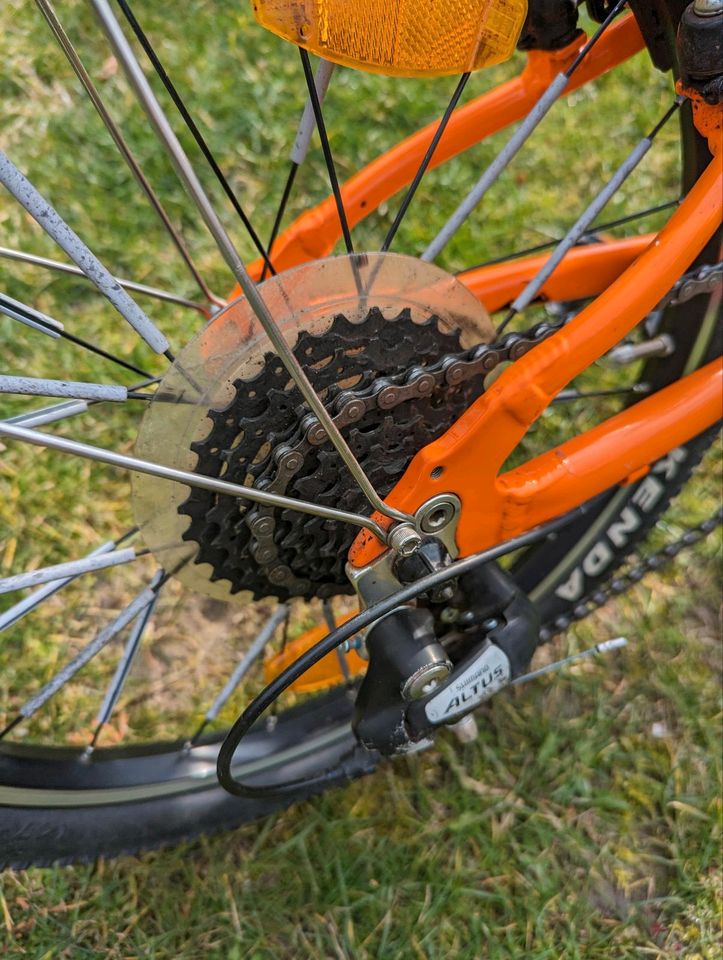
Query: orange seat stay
314, 234
467, 459
585, 272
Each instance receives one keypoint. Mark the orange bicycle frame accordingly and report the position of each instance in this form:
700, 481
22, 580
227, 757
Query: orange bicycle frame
629, 278
468, 458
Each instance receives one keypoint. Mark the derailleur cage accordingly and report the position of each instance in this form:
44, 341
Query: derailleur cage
412, 687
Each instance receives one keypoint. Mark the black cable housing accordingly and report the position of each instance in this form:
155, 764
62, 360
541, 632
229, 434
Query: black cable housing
334, 639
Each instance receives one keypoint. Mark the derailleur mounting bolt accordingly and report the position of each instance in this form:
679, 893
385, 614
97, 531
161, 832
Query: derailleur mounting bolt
436, 514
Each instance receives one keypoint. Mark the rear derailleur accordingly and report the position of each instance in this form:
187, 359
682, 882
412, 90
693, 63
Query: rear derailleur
432, 663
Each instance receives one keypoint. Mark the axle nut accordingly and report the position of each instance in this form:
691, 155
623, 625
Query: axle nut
437, 516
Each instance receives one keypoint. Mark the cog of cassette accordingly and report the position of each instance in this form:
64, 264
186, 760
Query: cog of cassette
246, 435
227, 407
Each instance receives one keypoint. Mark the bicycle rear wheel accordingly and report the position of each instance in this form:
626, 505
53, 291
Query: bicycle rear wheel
63, 803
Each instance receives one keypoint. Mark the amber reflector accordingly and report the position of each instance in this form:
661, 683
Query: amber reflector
408, 38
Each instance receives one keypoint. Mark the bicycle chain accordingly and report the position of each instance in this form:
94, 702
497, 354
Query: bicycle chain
619, 583
454, 369
385, 393
304, 435
265, 438
703, 280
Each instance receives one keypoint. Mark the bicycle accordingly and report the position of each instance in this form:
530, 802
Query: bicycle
463, 550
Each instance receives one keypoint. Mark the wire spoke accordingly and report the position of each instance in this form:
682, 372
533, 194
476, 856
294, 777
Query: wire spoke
188, 176
125, 663
47, 10
566, 396
39, 387
283, 203
583, 222
101, 455
249, 658
70, 408
50, 414
594, 229
515, 143
30, 258
193, 127
55, 329
330, 621
300, 148
29, 317
71, 569
25, 606
426, 160
326, 148
50, 220
88, 653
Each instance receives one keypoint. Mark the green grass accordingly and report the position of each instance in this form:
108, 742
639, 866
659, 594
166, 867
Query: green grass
585, 821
